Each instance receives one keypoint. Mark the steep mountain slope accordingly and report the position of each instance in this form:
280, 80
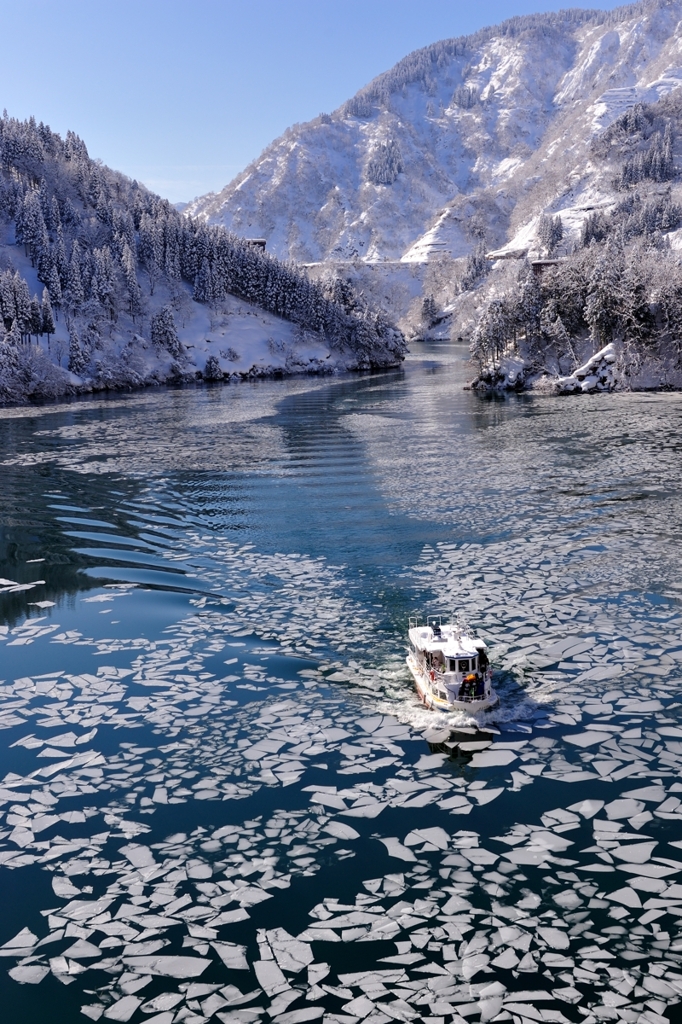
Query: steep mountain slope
467, 139
135, 293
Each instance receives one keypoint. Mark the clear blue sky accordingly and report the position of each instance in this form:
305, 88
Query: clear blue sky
182, 94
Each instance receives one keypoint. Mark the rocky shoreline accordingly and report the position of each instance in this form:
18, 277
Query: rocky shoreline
605, 371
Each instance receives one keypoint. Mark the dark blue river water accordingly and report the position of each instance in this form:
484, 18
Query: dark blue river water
220, 799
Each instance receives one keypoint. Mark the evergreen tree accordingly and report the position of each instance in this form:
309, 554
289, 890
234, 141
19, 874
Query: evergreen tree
385, 163
54, 285
78, 356
47, 325
212, 370
149, 249
604, 295
477, 267
132, 286
36, 322
492, 335
550, 232
75, 285
164, 332
429, 313
13, 337
203, 284
530, 304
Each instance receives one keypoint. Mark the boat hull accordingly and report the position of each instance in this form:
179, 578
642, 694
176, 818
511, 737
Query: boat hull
431, 700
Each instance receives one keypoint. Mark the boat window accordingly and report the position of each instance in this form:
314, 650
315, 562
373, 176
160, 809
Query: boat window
464, 665
453, 664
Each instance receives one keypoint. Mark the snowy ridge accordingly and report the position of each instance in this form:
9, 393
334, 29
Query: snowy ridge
488, 129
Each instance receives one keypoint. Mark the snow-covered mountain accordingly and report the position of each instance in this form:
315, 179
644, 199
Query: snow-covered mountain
468, 139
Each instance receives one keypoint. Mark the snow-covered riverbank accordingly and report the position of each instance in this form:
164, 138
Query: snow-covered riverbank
607, 370
237, 342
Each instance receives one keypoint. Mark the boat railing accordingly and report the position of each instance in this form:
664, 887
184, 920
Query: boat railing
445, 679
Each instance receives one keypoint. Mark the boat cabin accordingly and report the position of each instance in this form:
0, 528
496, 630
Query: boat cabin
455, 662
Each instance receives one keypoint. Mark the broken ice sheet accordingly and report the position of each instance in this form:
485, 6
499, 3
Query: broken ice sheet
396, 849
212, 747
168, 966
29, 974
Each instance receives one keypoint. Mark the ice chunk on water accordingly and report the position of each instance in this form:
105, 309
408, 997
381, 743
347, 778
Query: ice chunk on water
485, 796
371, 724
371, 809
298, 1016
123, 1009
139, 856
168, 966
291, 954
624, 808
626, 896
30, 974
586, 739
165, 1001
655, 794
588, 808
492, 758
471, 965
554, 937
317, 972
396, 849
83, 910
232, 955
569, 994
82, 950
436, 836
435, 735
457, 803
94, 1011
270, 978
340, 830
25, 939
428, 761
568, 899
634, 853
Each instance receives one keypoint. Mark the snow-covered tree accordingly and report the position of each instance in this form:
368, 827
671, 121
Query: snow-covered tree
604, 295
492, 335
47, 324
78, 356
477, 266
429, 313
76, 292
164, 332
35, 324
550, 232
212, 370
385, 163
13, 336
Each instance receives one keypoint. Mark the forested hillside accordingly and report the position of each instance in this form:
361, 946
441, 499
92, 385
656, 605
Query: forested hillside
618, 284
104, 284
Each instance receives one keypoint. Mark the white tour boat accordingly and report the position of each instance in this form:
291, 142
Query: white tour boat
450, 667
